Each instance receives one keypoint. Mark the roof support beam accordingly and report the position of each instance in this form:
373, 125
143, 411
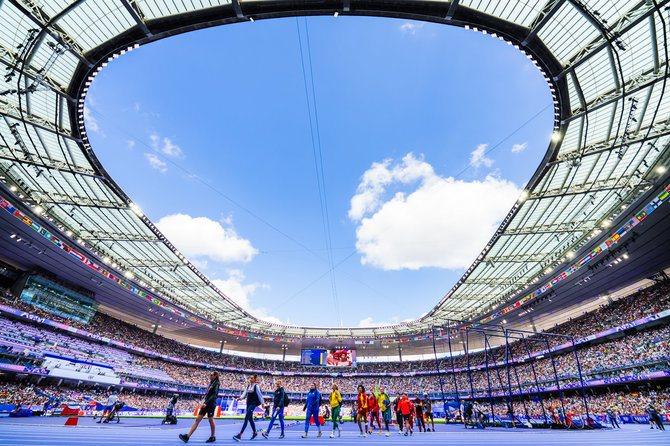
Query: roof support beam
654, 42
587, 188
149, 263
136, 12
53, 165
546, 229
472, 298
549, 10
123, 238
582, 101
12, 112
33, 74
181, 285
515, 258
39, 17
657, 131
452, 9
75, 201
638, 83
626, 22
495, 281
613, 68
237, 8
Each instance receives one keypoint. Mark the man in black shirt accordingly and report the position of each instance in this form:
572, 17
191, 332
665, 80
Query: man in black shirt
398, 413
654, 418
610, 413
418, 408
428, 410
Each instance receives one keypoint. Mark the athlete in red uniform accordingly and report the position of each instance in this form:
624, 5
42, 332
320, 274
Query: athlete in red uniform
362, 410
373, 408
405, 410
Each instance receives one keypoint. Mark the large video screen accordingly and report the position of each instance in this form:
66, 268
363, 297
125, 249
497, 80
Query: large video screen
58, 299
341, 358
313, 357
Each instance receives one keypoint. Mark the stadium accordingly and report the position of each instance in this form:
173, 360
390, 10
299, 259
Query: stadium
557, 330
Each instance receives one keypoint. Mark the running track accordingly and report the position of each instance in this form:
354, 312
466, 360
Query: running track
130, 432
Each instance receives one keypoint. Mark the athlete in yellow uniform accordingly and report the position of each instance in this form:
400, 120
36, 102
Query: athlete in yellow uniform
335, 399
385, 408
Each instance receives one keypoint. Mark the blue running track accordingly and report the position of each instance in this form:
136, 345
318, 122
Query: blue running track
51, 432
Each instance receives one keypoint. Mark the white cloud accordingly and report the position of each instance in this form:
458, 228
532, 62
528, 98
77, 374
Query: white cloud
478, 157
239, 292
369, 322
136, 107
411, 27
171, 149
91, 122
165, 146
130, 143
443, 223
201, 237
201, 240
200, 263
156, 163
379, 176
261, 313
516, 148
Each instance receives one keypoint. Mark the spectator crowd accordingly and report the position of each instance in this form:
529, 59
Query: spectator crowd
636, 352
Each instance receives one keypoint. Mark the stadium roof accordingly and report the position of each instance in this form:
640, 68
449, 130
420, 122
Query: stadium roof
605, 63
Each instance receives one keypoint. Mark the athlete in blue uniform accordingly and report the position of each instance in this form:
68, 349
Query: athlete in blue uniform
312, 408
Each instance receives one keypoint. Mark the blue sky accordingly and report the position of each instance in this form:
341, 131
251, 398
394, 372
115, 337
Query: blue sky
426, 136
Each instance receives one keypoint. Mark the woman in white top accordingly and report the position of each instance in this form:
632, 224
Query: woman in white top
254, 399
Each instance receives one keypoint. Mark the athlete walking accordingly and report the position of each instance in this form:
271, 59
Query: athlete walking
418, 408
362, 410
254, 399
385, 408
279, 403
373, 408
428, 411
405, 409
312, 408
398, 412
335, 399
207, 408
